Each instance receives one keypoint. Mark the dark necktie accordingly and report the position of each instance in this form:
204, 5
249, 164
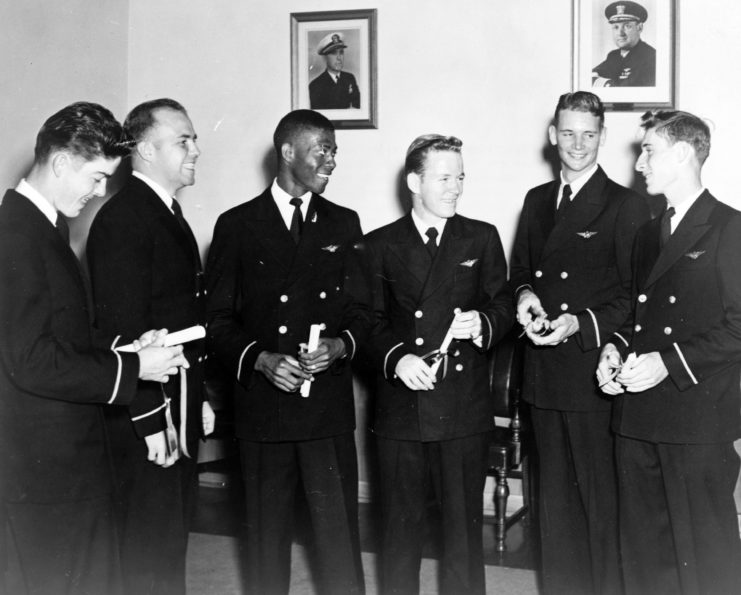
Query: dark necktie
62, 228
565, 203
297, 221
176, 208
666, 225
431, 244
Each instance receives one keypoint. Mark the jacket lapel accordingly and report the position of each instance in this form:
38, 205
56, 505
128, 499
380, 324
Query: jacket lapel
693, 226
271, 231
45, 231
165, 218
409, 252
589, 202
453, 249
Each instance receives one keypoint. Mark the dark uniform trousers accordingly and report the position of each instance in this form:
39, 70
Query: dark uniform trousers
327, 470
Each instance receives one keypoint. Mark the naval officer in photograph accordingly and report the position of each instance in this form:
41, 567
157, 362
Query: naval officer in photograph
334, 88
633, 63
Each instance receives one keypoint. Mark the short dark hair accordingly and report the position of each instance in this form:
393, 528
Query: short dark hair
141, 118
422, 145
675, 125
86, 130
296, 122
580, 101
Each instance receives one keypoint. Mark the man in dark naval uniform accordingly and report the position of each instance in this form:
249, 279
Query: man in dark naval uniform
437, 280
333, 89
277, 266
677, 395
633, 64
571, 266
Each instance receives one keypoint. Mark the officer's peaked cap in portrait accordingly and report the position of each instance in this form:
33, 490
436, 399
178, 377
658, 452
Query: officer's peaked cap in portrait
330, 43
618, 12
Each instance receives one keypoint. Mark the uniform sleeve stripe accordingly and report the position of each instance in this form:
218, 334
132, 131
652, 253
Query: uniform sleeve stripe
152, 412
523, 286
352, 340
684, 363
491, 329
386, 359
596, 327
118, 376
619, 336
241, 358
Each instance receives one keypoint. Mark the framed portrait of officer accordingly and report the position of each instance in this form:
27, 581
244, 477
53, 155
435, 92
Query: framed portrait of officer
333, 65
625, 52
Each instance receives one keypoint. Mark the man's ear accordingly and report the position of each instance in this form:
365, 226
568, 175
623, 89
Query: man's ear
60, 161
286, 152
414, 182
144, 150
553, 135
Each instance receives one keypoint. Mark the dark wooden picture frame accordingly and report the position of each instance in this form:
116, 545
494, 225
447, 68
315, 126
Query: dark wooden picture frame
642, 81
351, 102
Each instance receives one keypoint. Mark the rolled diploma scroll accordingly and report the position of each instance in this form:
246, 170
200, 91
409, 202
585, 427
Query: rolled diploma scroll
311, 346
192, 333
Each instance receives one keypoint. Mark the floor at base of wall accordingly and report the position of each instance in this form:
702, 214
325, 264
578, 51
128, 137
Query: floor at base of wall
219, 512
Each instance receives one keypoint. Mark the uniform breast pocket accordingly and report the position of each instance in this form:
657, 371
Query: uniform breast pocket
466, 280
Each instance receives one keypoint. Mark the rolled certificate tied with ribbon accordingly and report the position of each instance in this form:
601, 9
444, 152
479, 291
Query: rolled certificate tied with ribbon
192, 333
439, 357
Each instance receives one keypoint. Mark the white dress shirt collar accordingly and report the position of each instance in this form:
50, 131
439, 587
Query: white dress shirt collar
38, 200
681, 210
422, 227
157, 188
577, 184
283, 201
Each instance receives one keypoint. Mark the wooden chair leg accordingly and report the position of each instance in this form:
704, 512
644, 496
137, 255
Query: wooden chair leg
501, 494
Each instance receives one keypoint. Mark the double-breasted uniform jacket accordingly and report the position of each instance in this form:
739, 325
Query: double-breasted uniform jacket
636, 69
687, 306
264, 293
146, 275
55, 373
579, 265
413, 304
325, 93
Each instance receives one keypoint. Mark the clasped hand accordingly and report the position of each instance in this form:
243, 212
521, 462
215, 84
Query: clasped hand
535, 323
636, 374
288, 373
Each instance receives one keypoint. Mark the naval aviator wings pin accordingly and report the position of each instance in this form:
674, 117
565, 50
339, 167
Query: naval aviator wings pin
695, 255
469, 263
586, 234
331, 248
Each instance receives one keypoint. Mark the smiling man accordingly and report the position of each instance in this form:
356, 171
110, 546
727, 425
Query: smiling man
677, 394
55, 373
146, 273
279, 264
334, 88
633, 63
435, 277
570, 268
